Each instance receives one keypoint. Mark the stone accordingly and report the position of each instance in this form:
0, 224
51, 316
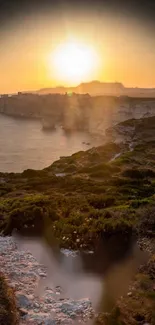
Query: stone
49, 322
129, 294
22, 312
23, 301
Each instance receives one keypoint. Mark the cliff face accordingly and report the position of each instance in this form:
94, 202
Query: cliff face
74, 112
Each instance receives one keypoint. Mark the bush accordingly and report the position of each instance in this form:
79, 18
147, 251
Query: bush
140, 174
29, 211
101, 201
146, 221
8, 309
142, 202
30, 173
71, 168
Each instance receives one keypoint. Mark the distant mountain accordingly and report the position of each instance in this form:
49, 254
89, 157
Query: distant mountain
97, 88
93, 88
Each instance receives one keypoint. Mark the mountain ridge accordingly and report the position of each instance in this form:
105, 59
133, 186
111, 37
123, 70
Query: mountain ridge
96, 88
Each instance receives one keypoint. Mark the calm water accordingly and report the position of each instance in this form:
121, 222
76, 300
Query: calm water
23, 144
78, 275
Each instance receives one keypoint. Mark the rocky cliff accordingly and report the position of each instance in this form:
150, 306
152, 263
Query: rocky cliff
74, 112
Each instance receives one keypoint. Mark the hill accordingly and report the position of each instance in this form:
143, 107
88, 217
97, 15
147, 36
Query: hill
97, 88
93, 88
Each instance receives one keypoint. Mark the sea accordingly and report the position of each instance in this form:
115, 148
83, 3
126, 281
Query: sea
24, 144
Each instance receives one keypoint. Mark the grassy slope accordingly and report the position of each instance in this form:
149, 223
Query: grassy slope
97, 197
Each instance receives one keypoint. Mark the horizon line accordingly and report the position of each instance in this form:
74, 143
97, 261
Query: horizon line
76, 86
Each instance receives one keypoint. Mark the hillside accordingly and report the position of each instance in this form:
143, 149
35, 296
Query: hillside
96, 195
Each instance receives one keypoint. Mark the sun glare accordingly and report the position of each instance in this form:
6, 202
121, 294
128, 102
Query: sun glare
73, 62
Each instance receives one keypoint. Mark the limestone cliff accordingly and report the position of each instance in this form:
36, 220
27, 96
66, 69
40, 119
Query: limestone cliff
78, 112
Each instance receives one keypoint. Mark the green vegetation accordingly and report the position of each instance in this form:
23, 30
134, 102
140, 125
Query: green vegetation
8, 310
97, 198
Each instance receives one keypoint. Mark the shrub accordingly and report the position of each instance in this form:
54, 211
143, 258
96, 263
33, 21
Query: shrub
144, 282
71, 168
146, 221
101, 201
141, 173
29, 211
8, 309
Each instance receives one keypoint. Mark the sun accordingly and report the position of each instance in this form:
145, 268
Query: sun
73, 62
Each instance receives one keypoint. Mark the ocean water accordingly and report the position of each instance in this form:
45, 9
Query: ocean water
24, 144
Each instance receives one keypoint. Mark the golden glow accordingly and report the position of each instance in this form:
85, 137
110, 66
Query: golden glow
73, 62
68, 48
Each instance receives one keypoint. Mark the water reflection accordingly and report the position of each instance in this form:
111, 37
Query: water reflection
25, 145
102, 277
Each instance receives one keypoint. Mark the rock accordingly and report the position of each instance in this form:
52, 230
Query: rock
50, 322
129, 294
23, 301
72, 315
22, 312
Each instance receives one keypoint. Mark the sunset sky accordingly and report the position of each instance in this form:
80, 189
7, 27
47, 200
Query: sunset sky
116, 46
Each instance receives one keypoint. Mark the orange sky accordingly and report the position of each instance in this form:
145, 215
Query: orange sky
125, 48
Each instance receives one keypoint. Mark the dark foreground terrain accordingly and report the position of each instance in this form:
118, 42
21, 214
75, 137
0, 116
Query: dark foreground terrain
8, 310
105, 194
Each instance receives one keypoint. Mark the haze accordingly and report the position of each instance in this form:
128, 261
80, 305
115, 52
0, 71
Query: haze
124, 46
